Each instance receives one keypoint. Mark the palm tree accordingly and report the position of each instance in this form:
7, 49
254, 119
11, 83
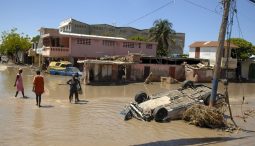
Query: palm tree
162, 33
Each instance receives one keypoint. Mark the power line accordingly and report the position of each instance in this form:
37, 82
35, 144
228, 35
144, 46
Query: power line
161, 7
214, 11
238, 24
202, 7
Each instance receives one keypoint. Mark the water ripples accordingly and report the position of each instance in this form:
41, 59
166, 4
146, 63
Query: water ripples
95, 121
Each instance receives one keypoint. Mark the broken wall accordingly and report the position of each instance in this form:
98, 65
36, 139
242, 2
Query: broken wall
139, 72
199, 75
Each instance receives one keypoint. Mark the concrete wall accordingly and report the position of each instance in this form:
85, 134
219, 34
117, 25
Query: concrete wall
245, 66
134, 72
231, 74
158, 70
97, 49
192, 52
199, 75
208, 53
51, 31
205, 53
177, 47
103, 73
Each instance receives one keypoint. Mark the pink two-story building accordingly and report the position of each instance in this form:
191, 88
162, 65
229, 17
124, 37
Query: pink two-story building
73, 46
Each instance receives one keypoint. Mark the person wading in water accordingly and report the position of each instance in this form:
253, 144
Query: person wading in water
75, 86
19, 83
38, 87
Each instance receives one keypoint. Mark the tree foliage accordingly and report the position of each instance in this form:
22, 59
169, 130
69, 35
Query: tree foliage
138, 38
13, 42
245, 49
162, 33
35, 39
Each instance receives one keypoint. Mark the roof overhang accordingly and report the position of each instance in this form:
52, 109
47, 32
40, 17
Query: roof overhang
89, 61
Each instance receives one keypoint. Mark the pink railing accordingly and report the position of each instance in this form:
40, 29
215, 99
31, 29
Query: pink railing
56, 51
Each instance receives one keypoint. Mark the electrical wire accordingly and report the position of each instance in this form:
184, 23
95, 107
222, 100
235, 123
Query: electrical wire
247, 17
147, 14
233, 11
202, 7
240, 30
229, 31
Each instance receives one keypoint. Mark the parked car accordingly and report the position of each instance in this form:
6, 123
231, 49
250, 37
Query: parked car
68, 71
168, 105
59, 65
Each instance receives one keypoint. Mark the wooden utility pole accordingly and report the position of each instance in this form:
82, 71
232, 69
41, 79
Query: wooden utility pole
219, 53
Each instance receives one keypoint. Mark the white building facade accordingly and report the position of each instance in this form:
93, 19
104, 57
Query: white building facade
208, 49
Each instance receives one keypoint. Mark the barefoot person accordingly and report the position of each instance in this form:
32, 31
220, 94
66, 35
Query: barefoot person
38, 87
19, 83
75, 86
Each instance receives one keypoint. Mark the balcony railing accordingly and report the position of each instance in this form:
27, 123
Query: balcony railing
232, 63
56, 51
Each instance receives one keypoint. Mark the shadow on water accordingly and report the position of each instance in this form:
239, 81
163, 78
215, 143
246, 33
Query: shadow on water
109, 83
248, 131
46, 106
25, 97
21, 97
193, 141
82, 102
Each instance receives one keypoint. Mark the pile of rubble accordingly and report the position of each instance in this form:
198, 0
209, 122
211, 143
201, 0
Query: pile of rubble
205, 116
114, 58
198, 66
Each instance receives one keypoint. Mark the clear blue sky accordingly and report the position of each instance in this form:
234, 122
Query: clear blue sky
199, 24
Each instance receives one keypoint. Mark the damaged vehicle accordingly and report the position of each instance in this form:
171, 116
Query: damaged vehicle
169, 105
68, 71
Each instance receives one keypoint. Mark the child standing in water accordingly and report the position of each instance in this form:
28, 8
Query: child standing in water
19, 83
38, 87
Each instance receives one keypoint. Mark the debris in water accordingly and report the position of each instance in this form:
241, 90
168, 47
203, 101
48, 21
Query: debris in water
246, 114
205, 116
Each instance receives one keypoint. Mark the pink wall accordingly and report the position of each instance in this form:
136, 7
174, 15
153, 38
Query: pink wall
97, 49
56, 52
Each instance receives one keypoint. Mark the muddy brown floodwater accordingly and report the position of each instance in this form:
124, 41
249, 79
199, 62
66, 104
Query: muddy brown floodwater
96, 120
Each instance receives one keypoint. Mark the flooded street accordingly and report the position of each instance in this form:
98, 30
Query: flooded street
96, 120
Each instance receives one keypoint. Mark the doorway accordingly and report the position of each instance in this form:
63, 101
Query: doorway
146, 72
252, 71
172, 72
197, 52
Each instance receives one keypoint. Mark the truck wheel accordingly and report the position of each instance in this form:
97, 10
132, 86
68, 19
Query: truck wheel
187, 84
141, 97
160, 114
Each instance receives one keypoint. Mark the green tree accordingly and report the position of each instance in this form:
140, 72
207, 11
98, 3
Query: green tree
162, 33
35, 39
13, 42
245, 49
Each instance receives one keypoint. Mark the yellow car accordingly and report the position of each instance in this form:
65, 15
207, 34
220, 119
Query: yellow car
59, 65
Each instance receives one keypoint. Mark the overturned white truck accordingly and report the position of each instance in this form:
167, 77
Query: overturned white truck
168, 105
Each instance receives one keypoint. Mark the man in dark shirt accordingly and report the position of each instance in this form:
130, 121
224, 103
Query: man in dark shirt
75, 86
